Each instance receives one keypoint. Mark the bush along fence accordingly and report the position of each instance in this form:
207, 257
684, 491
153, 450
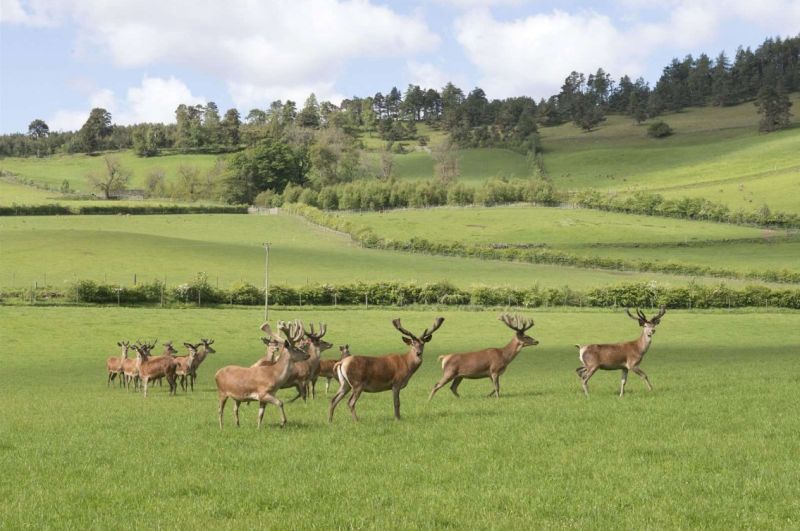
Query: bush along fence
200, 292
58, 209
366, 237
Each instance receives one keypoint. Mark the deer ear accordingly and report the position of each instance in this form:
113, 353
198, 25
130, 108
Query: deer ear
407, 340
119, 344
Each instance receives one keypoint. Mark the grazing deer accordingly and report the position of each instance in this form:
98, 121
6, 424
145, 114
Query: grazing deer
261, 382
114, 363
619, 356
202, 351
152, 367
326, 366
376, 374
486, 363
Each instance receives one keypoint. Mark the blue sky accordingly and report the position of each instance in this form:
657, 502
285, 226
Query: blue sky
141, 58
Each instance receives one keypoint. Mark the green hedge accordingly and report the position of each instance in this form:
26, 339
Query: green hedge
400, 294
522, 253
107, 209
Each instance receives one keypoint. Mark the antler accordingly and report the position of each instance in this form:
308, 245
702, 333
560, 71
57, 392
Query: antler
399, 327
428, 333
657, 319
516, 322
322, 329
292, 330
638, 319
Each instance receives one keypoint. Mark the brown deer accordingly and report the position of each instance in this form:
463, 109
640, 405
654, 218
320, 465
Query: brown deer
619, 356
169, 350
183, 365
114, 363
130, 372
316, 346
261, 382
326, 366
486, 363
152, 367
202, 352
376, 374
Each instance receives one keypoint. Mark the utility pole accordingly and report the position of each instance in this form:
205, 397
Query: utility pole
266, 281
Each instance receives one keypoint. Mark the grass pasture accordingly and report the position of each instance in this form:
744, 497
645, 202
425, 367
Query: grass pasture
229, 248
715, 153
714, 446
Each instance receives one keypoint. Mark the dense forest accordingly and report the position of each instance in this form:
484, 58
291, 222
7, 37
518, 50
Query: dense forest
318, 143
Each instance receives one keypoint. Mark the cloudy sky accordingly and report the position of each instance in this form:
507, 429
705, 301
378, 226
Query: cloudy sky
141, 58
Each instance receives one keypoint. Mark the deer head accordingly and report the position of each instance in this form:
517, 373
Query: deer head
169, 350
293, 332
344, 351
648, 324
417, 344
316, 339
519, 325
207, 344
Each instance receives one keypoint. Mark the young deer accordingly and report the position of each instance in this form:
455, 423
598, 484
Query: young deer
261, 382
316, 346
486, 363
114, 363
326, 366
619, 356
130, 371
376, 374
152, 367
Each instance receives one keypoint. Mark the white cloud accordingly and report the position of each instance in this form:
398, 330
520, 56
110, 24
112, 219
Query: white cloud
155, 100
533, 55
263, 50
472, 4
428, 75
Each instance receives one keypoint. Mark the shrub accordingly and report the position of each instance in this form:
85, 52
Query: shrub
659, 129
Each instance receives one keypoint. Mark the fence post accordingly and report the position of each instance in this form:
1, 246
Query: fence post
134, 279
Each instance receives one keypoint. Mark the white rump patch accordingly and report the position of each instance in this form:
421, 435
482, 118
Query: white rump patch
581, 352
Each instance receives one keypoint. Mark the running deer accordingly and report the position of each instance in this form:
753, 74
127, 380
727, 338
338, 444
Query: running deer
326, 366
619, 356
261, 382
114, 363
376, 374
152, 367
486, 363
202, 352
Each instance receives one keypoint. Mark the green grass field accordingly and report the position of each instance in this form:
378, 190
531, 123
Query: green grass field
74, 168
713, 446
229, 249
715, 153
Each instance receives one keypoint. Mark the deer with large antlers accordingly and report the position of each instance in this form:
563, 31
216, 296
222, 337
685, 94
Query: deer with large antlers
619, 356
486, 363
326, 367
262, 381
376, 374
150, 368
114, 363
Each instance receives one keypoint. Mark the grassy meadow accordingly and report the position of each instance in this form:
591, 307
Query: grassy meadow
229, 249
707, 448
715, 153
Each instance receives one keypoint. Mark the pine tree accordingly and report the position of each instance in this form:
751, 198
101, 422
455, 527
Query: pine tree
773, 103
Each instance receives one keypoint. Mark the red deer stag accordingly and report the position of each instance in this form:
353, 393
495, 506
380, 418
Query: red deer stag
169, 350
114, 363
619, 356
316, 346
262, 381
203, 351
326, 366
486, 363
152, 367
183, 365
376, 374
130, 371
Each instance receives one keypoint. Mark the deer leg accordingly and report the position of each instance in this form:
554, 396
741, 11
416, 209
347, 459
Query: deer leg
236, 404
623, 382
299, 393
146, 382
455, 384
275, 400
496, 382
191, 383
585, 379
327, 385
641, 373
352, 403
441, 383
261, 407
222, 409
396, 400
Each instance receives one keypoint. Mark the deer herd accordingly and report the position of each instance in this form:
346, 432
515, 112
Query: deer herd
293, 360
